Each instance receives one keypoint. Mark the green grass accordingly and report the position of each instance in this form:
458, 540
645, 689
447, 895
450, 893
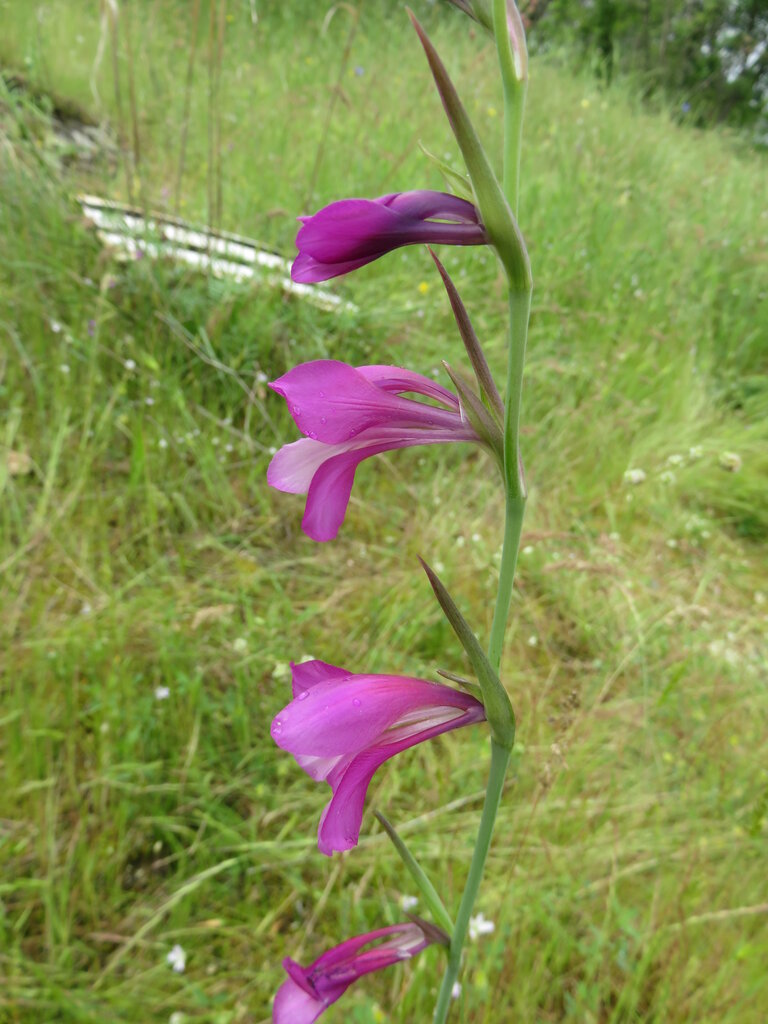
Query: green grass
140, 546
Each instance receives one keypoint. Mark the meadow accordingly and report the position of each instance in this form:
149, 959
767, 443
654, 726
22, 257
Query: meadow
153, 590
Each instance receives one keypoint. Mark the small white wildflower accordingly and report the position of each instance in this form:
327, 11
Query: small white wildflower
261, 377
528, 549
671, 543
282, 670
240, 645
476, 538
129, 364
480, 926
696, 452
64, 368
456, 990
634, 476
85, 608
675, 460
730, 461
177, 1017
408, 902
104, 728
759, 597
667, 477
149, 400
162, 693
229, 447
460, 542
177, 959
55, 326
615, 537
272, 450
162, 443
215, 441
439, 567
533, 640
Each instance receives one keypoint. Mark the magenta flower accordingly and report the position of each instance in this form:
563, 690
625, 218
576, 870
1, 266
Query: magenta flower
348, 414
352, 232
341, 726
309, 991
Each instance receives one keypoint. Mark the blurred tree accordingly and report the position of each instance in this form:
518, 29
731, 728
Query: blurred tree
711, 54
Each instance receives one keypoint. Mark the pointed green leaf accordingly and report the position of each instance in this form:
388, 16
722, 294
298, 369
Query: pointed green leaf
459, 184
498, 709
497, 217
468, 684
427, 890
471, 343
486, 427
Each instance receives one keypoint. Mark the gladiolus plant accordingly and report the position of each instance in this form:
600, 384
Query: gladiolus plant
342, 726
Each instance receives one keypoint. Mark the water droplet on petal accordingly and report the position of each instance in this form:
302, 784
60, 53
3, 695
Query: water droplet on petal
296, 410
303, 695
355, 703
321, 394
312, 434
323, 419
277, 726
352, 433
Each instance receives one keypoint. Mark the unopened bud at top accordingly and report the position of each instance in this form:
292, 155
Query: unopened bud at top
482, 11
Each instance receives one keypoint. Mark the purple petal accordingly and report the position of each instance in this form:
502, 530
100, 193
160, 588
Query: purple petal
402, 381
307, 270
309, 673
422, 204
293, 466
329, 492
331, 487
350, 230
340, 823
333, 402
295, 1006
351, 960
344, 715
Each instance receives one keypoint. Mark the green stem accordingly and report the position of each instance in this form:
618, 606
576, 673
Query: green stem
499, 762
519, 312
514, 105
519, 309
513, 526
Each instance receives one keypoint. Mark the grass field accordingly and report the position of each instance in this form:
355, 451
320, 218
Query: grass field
140, 547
